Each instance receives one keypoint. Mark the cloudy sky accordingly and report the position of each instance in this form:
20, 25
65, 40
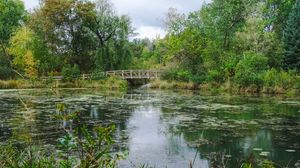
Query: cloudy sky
146, 15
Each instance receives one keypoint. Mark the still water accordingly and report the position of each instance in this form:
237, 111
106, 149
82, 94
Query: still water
164, 128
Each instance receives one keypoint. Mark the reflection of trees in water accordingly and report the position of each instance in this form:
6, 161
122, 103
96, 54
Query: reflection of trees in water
41, 124
234, 131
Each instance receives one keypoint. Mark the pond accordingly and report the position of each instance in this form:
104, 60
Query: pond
164, 128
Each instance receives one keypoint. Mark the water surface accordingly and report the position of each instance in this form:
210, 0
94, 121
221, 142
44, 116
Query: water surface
164, 128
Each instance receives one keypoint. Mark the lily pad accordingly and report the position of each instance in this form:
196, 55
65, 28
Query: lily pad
290, 150
264, 153
257, 149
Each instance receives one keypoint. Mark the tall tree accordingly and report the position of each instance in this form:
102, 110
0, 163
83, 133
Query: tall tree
58, 23
292, 39
21, 50
276, 13
111, 30
228, 16
12, 13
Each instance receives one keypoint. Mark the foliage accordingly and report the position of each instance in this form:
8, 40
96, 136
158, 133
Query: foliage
279, 81
226, 41
11, 14
111, 31
79, 148
98, 75
249, 69
21, 47
70, 73
291, 39
5, 71
93, 151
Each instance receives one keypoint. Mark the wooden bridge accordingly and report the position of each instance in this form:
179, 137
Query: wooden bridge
123, 74
134, 74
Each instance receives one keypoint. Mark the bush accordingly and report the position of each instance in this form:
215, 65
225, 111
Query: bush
279, 79
98, 75
249, 70
270, 77
70, 74
286, 80
177, 75
5, 72
215, 76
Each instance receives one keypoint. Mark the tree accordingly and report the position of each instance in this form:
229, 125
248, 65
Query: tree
111, 30
60, 28
21, 48
254, 37
276, 13
292, 39
12, 13
249, 69
174, 21
226, 17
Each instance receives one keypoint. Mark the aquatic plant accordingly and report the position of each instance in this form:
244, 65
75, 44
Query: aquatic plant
78, 148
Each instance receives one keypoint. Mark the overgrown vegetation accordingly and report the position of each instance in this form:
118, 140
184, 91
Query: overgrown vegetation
111, 83
78, 148
236, 45
231, 44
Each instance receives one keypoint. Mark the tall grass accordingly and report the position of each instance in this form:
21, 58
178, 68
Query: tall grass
111, 83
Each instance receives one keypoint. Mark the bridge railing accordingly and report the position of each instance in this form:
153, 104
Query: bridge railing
135, 74
124, 74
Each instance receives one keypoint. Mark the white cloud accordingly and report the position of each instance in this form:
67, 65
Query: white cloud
30, 4
150, 32
146, 15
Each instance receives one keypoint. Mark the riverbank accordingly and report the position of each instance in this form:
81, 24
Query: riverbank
111, 83
226, 87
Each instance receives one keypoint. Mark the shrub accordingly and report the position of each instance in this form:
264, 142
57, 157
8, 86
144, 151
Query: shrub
270, 77
5, 72
249, 70
98, 75
177, 75
214, 76
170, 74
279, 79
286, 80
70, 73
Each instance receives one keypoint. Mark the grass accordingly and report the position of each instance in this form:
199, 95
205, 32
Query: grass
112, 83
163, 84
226, 88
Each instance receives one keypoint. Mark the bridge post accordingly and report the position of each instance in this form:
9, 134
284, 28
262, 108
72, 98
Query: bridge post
140, 75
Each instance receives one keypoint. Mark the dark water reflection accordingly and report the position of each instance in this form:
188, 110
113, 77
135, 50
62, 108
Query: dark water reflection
164, 128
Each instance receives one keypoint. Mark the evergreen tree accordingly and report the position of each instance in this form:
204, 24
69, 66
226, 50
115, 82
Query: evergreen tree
292, 39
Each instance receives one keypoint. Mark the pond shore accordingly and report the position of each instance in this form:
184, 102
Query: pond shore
104, 84
115, 83
220, 88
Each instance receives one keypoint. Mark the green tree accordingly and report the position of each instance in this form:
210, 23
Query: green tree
292, 39
276, 13
21, 48
12, 13
226, 17
60, 28
249, 70
112, 32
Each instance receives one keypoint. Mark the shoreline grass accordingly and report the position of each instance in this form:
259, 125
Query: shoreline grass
227, 88
111, 83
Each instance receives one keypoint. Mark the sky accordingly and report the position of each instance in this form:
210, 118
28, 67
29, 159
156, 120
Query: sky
146, 15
